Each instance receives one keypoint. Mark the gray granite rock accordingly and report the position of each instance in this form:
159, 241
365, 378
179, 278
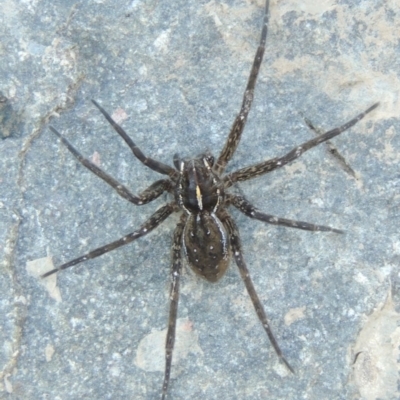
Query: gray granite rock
174, 74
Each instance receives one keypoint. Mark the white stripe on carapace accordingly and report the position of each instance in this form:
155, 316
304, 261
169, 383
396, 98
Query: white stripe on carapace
182, 168
218, 201
199, 197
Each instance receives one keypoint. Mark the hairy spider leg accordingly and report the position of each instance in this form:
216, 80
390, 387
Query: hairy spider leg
248, 209
149, 162
237, 253
149, 194
331, 148
174, 299
156, 219
264, 167
240, 121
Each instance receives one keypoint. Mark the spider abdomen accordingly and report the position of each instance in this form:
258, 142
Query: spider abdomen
206, 245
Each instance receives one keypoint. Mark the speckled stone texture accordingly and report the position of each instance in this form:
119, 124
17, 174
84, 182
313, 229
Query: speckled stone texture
173, 74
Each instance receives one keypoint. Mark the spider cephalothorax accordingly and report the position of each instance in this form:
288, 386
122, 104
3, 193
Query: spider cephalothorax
206, 232
199, 188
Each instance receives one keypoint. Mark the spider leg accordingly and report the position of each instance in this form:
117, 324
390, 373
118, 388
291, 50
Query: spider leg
149, 162
149, 194
267, 166
248, 209
156, 219
236, 247
240, 121
332, 149
174, 298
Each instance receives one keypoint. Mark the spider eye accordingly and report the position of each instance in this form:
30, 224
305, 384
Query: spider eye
209, 159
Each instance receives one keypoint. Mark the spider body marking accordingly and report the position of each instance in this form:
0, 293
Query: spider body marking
206, 233
200, 193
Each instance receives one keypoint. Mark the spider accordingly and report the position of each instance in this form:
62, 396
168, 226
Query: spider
205, 233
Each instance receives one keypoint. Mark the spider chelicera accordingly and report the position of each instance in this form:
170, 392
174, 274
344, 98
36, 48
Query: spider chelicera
206, 232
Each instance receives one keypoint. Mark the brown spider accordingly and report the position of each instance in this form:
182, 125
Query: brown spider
206, 232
